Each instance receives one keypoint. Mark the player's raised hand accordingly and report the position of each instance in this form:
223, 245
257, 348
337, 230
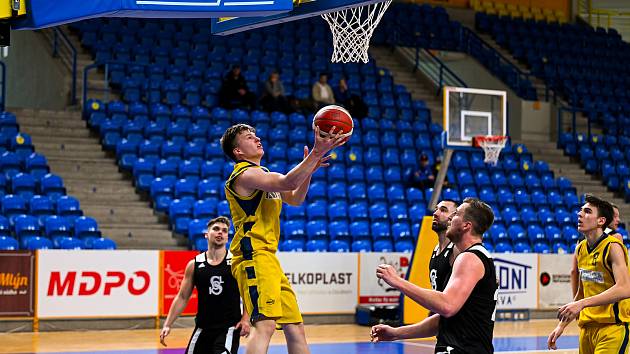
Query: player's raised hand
388, 274
163, 334
323, 144
382, 333
323, 162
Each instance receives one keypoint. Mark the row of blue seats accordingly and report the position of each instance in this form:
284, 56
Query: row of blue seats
119, 113
26, 185
69, 243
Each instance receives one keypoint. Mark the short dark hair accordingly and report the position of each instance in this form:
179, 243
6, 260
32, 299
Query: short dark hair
218, 219
604, 208
479, 214
456, 203
228, 140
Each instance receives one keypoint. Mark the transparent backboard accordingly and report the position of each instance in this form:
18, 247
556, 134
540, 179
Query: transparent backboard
470, 112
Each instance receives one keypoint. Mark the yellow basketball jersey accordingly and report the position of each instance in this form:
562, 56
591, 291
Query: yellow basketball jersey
256, 217
597, 276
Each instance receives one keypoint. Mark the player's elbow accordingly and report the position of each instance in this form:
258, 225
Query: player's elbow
449, 310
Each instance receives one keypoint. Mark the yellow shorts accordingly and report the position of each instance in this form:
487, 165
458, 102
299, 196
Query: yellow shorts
265, 289
606, 339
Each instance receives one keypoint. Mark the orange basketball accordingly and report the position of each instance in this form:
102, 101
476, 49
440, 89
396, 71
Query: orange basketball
334, 116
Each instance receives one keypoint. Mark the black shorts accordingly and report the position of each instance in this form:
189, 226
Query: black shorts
215, 341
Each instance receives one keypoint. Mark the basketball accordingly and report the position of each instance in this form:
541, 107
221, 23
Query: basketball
334, 116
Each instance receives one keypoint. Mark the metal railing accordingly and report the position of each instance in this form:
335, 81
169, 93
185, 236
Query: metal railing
105, 66
61, 46
3, 85
476, 46
427, 62
572, 111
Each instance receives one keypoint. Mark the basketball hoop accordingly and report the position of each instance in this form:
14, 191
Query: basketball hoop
491, 145
352, 29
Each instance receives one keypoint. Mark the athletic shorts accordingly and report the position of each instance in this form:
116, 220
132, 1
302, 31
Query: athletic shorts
214, 341
265, 289
606, 339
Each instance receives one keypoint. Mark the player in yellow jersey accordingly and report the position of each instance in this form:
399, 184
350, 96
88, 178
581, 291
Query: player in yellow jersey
255, 196
601, 302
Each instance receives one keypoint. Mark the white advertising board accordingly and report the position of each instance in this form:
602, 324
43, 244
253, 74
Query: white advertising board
517, 275
554, 280
323, 282
97, 283
373, 290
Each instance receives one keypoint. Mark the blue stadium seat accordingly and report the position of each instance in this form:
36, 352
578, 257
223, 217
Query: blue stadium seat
51, 185
294, 229
36, 165
516, 232
337, 211
37, 243
380, 230
41, 207
360, 229
357, 192
316, 210
292, 245
8, 244
358, 211
522, 247
503, 247
26, 226
105, 244
179, 214
13, 205
317, 245
316, 229
339, 246
404, 245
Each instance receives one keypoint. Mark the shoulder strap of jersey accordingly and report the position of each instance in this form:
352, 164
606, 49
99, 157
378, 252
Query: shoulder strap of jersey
201, 257
479, 248
239, 168
611, 239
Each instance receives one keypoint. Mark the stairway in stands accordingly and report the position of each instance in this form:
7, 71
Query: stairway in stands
402, 74
89, 174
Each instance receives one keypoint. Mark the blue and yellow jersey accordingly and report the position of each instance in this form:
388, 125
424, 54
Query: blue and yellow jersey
256, 217
597, 276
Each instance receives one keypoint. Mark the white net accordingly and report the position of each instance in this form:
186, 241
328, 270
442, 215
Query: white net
492, 148
352, 29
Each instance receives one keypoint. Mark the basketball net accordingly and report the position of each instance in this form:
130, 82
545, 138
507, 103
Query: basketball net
352, 30
492, 146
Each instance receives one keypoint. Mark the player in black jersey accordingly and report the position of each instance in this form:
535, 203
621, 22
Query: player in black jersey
443, 254
219, 322
464, 313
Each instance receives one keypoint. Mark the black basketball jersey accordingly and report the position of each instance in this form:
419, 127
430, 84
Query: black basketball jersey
219, 304
470, 329
440, 267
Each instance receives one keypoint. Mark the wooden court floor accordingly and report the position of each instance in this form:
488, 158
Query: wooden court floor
510, 337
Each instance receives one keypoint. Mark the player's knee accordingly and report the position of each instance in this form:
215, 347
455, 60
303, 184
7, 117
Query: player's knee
294, 330
265, 327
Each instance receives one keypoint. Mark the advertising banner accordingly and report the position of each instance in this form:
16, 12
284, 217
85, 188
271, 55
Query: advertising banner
16, 283
554, 280
373, 290
97, 283
517, 275
323, 282
174, 263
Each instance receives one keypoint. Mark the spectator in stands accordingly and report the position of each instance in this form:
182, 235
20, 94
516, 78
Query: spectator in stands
424, 176
322, 92
352, 102
234, 91
273, 97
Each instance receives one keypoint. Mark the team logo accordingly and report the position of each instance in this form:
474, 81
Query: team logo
273, 195
433, 276
215, 285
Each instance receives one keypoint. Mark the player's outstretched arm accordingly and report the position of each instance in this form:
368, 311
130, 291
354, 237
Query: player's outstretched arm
296, 197
180, 302
619, 291
426, 328
256, 178
467, 271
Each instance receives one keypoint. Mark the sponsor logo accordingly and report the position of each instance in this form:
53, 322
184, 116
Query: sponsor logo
13, 280
91, 283
512, 277
319, 278
592, 276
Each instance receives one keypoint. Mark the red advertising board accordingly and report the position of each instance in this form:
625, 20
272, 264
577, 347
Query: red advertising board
174, 265
16, 283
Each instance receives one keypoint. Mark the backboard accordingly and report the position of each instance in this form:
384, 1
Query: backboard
301, 9
470, 112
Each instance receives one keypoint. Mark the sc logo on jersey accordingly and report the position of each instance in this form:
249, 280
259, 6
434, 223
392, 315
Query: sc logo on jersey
433, 277
215, 285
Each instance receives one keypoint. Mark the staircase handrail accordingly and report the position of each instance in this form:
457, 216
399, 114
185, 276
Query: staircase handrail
60, 36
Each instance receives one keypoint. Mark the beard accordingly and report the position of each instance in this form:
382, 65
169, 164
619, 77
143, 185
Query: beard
453, 235
438, 226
